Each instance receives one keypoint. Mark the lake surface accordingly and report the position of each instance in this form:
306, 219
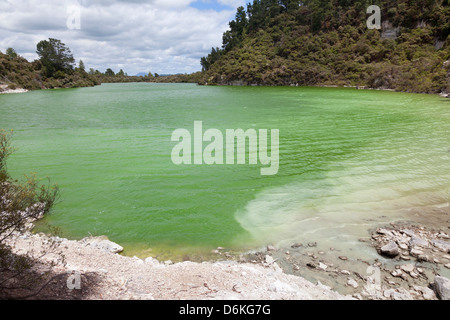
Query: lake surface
349, 160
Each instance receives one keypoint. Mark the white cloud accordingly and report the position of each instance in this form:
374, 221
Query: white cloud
164, 36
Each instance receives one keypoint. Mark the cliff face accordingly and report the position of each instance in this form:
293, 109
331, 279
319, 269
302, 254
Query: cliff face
329, 43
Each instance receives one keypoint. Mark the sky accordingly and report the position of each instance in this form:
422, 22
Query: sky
162, 36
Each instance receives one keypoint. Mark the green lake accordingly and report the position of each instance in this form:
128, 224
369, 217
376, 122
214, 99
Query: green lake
349, 160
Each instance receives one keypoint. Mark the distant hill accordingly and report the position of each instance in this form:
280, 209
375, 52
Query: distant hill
16, 72
327, 42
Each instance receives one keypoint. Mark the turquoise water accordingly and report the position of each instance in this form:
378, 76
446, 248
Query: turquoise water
349, 159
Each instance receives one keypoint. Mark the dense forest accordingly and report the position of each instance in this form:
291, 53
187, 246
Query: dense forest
328, 42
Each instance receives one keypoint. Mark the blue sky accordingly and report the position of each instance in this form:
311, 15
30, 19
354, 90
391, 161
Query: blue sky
163, 36
211, 5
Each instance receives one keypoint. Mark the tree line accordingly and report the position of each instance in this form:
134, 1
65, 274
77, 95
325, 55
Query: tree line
56, 67
315, 42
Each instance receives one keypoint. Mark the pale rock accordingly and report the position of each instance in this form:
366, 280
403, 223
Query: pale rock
408, 232
352, 283
402, 294
269, 259
385, 232
418, 242
397, 273
407, 268
346, 272
442, 287
443, 235
391, 249
271, 248
151, 260
442, 245
427, 293
104, 244
416, 252
322, 266
389, 293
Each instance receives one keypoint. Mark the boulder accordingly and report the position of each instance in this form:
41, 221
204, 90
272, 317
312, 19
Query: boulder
104, 244
442, 245
417, 242
391, 249
408, 232
442, 287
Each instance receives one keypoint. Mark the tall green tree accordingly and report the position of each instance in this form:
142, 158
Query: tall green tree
109, 72
11, 53
81, 66
55, 56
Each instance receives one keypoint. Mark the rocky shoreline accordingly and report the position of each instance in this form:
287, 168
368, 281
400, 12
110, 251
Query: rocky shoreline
93, 269
4, 90
412, 263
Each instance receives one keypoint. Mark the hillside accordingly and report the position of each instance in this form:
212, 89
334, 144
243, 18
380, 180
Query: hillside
17, 72
319, 42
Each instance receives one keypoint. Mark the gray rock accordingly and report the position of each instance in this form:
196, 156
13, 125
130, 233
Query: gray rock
391, 249
427, 293
271, 248
418, 242
442, 287
441, 244
416, 252
385, 232
297, 245
408, 232
104, 244
402, 294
